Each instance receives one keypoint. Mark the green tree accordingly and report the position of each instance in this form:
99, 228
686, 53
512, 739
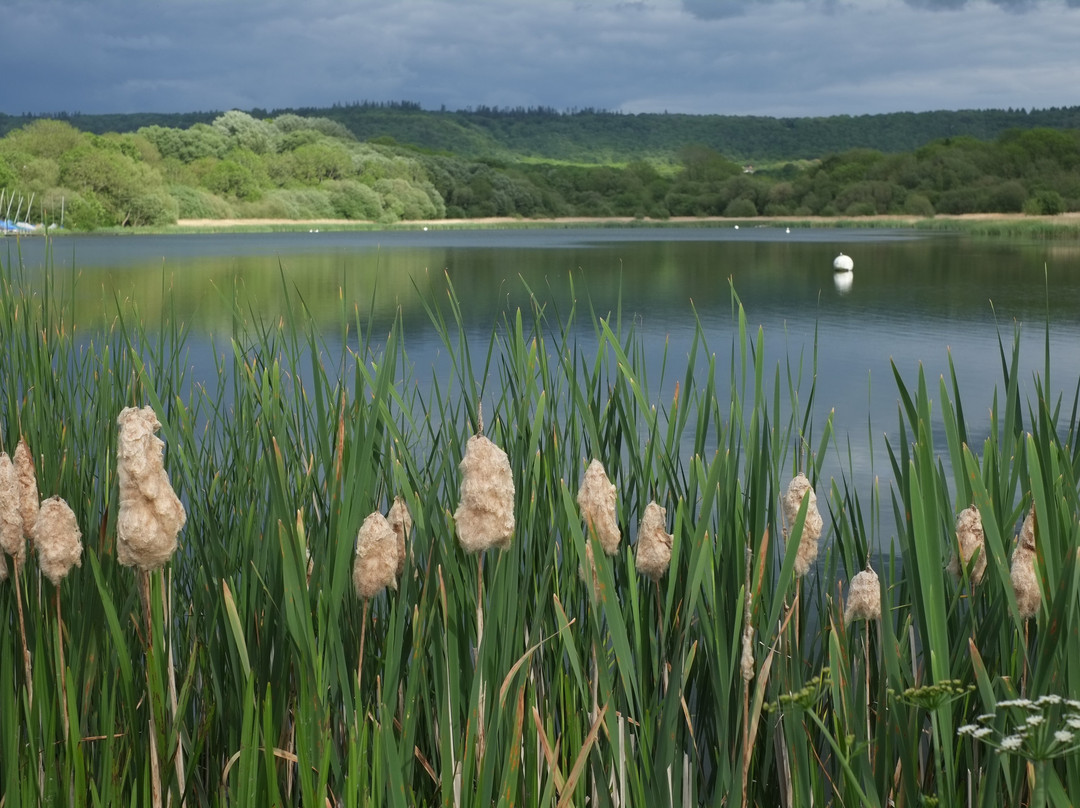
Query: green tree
245, 132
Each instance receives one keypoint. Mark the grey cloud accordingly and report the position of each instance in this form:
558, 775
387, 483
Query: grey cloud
765, 57
1008, 5
715, 9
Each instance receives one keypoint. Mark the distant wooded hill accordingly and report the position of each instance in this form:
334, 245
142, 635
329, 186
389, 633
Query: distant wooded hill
305, 167
595, 136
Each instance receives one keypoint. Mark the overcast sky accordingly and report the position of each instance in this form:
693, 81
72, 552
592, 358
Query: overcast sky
737, 57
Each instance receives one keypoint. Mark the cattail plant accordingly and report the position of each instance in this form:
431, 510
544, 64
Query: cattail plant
401, 522
864, 597
798, 488
970, 543
57, 539
151, 515
149, 520
26, 478
12, 537
377, 556
13, 543
596, 498
653, 553
375, 569
1024, 580
58, 543
485, 514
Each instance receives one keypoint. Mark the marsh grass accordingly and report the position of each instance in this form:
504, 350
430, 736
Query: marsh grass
513, 681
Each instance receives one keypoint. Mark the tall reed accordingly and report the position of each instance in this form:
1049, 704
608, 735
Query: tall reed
707, 684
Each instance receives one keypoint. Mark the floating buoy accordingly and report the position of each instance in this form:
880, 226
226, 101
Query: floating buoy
843, 263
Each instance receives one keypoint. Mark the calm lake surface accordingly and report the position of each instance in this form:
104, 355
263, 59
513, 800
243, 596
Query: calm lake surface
913, 298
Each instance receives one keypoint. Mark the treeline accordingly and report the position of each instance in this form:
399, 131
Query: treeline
601, 137
295, 167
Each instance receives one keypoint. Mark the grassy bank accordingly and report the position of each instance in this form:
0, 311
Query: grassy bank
548, 672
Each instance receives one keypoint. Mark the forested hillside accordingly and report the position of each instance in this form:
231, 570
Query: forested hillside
289, 166
593, 136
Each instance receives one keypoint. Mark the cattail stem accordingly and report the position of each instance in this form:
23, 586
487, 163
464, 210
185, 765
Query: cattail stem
27, 666
155, 763
360, 660
63, 666
747, 674
166, 592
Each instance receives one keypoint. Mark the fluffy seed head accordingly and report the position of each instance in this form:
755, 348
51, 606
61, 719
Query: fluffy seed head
653, 543
970, 539
57, 539
375, 567
1024, 580
151, 515
26, 476
401, 522
596, 498
12, 540
798, 488
864, 597
485, 514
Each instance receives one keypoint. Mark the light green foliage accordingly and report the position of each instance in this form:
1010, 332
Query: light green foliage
404, 200
131, 192
196, 203
354, 200
245, 132
539, 162
290, 123
45, 138
187, 145
288, 203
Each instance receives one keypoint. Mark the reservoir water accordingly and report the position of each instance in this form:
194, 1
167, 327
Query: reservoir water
913, 299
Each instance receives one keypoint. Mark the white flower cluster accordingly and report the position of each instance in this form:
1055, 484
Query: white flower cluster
1040, 729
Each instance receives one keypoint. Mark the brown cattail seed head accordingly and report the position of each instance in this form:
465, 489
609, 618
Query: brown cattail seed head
57, 539
596, 498
808, 544
150, 514
12, 540
970, 539
864, 597
26, 476
653, 543
1025, 582
485, 515
375, 567
401, 522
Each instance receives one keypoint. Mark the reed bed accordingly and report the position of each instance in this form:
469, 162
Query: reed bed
245, 668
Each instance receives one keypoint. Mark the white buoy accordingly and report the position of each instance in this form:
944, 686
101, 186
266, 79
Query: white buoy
843, 263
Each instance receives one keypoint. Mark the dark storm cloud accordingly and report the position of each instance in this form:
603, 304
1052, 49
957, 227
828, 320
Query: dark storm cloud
769, 57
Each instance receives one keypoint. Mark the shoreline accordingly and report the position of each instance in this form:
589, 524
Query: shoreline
495, 220
964, 221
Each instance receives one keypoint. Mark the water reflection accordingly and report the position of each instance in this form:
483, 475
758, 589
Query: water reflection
843, 280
